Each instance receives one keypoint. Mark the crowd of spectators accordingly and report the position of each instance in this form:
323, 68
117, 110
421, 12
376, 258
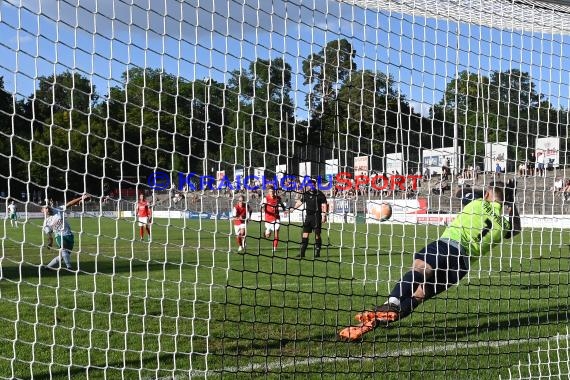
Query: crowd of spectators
561, 188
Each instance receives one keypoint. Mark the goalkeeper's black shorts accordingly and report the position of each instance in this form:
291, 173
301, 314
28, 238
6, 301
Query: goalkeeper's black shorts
449, 263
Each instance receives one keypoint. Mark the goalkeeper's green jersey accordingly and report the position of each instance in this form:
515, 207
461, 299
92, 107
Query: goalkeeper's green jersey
479, 226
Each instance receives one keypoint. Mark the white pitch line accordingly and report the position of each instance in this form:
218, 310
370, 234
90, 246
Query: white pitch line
388, 354
537, 352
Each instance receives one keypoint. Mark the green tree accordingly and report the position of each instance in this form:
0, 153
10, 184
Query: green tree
166, 123
325, 72
368, 108
60, 149
261, 115
502, 107
466, 102
7, 120
518, 111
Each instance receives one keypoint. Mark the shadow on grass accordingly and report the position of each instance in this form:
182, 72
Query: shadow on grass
468, 325
108, 266
115, 367
482, 324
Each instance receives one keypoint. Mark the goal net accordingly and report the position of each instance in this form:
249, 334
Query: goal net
130, 132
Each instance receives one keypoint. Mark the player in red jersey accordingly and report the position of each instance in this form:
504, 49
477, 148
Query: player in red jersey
270, 211
241, 213
144, 216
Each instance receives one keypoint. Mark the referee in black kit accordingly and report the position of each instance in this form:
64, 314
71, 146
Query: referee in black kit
316, 210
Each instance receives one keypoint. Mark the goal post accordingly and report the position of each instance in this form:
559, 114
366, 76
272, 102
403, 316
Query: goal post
168, 115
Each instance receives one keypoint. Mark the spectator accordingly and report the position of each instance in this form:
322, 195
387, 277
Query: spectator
476, 172
530, 165
566, 190
522, 169
540, 170
460, 180
410, 193
469, 172
558, 185
441, 187
176, 199
445, 169
498, 168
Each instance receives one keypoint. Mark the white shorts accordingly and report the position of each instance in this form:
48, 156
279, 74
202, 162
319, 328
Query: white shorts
272, 226
143, 220
239, 229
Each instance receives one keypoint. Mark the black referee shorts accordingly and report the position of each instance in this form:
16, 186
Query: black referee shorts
312, 223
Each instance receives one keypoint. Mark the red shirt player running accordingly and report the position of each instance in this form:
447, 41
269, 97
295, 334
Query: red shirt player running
241, 213
144, 216
270, 210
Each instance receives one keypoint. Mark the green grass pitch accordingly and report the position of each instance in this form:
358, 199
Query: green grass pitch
183, 306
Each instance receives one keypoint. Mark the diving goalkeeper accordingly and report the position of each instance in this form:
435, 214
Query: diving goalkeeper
482, 223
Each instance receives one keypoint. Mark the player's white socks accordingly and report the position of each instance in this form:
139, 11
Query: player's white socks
54, 263
66, 258
394, 301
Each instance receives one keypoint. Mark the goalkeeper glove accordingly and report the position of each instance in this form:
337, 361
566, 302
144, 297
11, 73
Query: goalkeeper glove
510, 191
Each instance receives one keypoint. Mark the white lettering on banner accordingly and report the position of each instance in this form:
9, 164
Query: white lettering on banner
549, 147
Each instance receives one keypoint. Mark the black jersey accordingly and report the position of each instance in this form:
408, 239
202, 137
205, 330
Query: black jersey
313, 200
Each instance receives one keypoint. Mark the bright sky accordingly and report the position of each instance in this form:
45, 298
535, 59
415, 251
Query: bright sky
197, 39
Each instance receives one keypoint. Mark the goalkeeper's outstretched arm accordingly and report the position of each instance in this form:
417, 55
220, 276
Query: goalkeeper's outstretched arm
515, 219
510, 208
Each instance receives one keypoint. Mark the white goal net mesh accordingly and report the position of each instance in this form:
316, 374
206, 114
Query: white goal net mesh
196, 105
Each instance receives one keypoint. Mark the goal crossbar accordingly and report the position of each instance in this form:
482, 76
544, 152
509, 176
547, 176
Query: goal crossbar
550, 16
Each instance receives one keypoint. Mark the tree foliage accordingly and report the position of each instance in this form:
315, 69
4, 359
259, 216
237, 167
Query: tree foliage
503, 107
325, 72
68, 137
262, 119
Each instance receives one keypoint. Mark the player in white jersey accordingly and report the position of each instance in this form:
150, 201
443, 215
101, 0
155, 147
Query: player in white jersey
55, 224
11, 214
